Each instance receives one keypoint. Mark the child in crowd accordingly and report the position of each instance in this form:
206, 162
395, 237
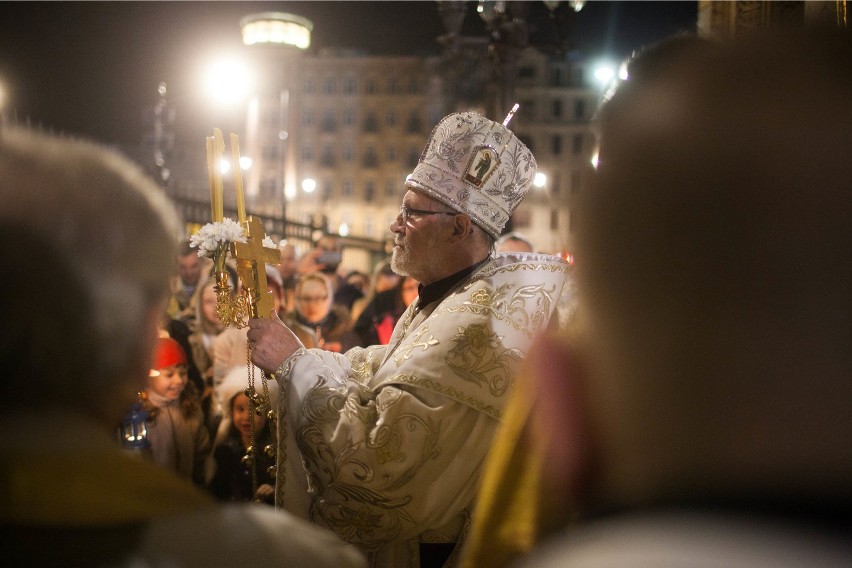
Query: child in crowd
233, 479
177, 434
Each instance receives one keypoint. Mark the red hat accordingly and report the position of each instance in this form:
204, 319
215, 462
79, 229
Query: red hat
169, 352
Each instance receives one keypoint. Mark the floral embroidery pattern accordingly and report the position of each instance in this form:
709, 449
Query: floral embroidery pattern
349, 497
514, 310
404, 351
477, 358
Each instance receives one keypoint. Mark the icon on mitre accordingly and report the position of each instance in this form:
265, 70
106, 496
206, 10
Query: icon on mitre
483, 162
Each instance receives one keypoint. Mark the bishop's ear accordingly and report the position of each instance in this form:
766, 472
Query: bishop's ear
462, 226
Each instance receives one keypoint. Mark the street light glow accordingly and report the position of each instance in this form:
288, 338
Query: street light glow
309, 185
540, 179
604, 73
245, 163
343, 230
227, 81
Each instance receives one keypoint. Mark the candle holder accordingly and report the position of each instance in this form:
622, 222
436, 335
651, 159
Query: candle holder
230, 309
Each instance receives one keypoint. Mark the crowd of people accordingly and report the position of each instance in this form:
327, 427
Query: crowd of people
692, 408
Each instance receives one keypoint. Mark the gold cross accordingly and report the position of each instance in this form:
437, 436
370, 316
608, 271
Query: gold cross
252, 258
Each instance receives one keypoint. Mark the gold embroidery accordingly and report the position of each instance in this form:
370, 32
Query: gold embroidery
404, 352
365, 363
323, 403
515, 311
475, 358
455, 394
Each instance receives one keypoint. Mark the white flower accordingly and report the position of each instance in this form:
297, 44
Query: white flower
268, 243
213, 235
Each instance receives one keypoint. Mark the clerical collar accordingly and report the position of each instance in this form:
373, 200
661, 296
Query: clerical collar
437, 290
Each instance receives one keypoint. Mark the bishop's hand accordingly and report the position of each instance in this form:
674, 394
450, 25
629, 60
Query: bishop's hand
271, 342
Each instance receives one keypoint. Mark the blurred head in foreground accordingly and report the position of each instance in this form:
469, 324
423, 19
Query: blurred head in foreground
713, 363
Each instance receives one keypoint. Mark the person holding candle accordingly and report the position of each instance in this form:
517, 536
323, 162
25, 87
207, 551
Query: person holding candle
71, 495
385, 445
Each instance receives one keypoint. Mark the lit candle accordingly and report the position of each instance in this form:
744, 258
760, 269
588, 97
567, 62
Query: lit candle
218, 150
211, 176
238, 177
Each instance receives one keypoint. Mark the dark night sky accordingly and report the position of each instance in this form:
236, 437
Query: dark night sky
88, 68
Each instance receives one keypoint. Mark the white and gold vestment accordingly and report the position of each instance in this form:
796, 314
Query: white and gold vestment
384, 445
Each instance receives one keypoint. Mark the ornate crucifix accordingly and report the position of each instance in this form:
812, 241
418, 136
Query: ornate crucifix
252, 258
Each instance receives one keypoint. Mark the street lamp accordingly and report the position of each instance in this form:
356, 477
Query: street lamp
227, 81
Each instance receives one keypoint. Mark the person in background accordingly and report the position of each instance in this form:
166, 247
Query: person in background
383, 278
71, 495
326, 325
513, 242
205, 329
701, 415
355, 286
235, 474
325, 257
185, 291
391, 438
177, 431
375, 324
288, 269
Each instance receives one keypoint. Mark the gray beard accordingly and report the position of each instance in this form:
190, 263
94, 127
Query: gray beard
399, 262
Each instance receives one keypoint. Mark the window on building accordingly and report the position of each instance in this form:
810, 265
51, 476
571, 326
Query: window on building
329, 85
369, 191
556, 145
349, 116
414, 124
412, 158
329, 121
413, 86
526, 72
579, 109
349, 85
348, 153
556, 77
527, 140
370, 87
327, 189
554, 219
307, 153
391, 188
371, 122
572, 221
308, 117
554, 183
557, 108
393, 85
577, 145
368, 226
327, 158
390, 153
310, 85
528, 109
347, 188
390, 118
371, 159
